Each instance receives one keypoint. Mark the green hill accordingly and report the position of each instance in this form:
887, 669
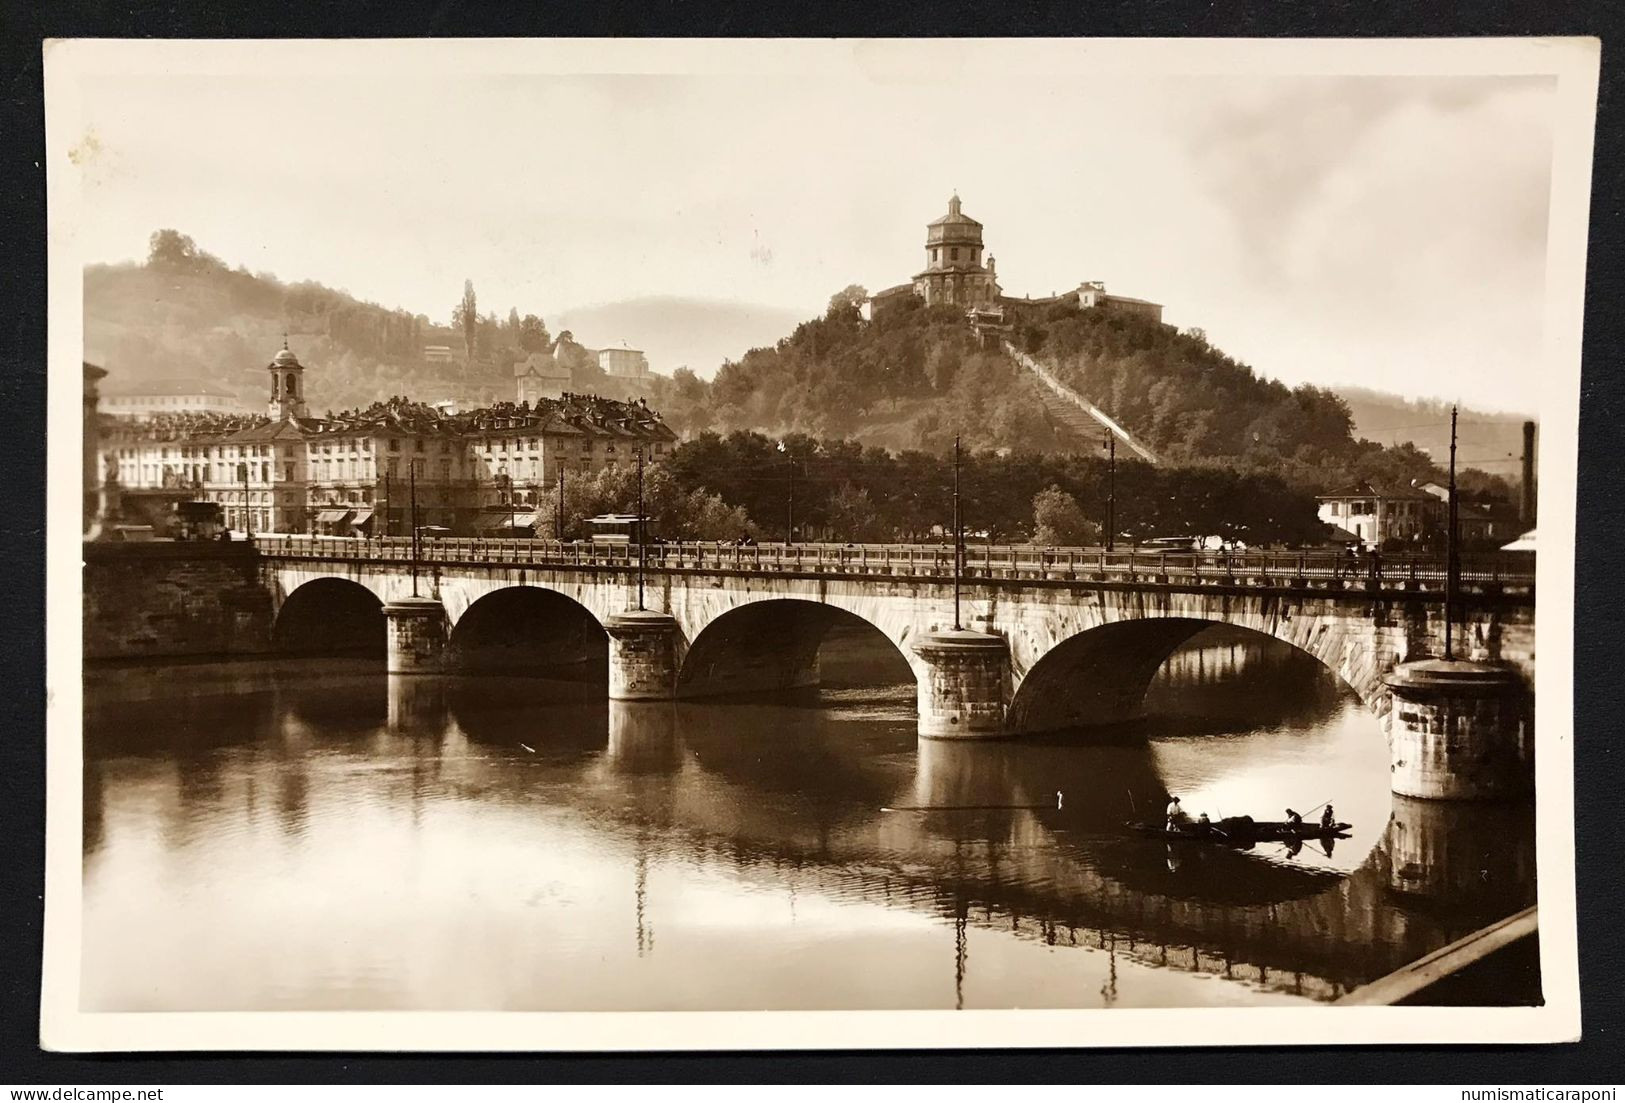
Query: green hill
916, 376
912, 379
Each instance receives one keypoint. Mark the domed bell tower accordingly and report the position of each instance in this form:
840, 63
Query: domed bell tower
287, 385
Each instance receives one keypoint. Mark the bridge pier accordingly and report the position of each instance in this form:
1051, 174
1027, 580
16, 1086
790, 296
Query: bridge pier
1459, 731
642, 655
963, 693
415, 635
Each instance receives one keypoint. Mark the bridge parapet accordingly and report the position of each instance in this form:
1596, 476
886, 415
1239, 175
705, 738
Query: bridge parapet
1503, 574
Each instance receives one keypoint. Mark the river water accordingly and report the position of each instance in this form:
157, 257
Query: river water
315, 834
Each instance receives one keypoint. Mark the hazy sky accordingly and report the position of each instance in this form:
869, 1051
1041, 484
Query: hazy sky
1386, 231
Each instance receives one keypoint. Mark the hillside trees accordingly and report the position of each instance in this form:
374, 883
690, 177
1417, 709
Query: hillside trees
465, 318
533, 335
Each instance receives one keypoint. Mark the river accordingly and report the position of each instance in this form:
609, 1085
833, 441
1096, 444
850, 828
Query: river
313, 834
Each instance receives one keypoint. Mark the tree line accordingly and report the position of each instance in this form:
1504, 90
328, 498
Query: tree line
841, 490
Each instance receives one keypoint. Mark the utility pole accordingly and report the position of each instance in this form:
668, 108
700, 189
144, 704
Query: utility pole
248, 521
560, 510
959, 541
1450, 565
643, 534
1111, 491
790, 509
386, 526
1526, 496
413, 477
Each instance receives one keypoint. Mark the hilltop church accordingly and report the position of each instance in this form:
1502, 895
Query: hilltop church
955, 274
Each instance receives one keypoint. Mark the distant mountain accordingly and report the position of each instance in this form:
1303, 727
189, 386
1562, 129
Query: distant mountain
1491, 442
676, 332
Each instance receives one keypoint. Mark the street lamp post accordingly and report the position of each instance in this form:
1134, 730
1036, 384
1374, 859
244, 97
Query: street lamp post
643, 533
1111, 491
412, 475
959, 541
559, 512
1451, 568
790, 508
248, 522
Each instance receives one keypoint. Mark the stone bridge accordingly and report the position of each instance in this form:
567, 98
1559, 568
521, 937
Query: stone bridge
1043, 640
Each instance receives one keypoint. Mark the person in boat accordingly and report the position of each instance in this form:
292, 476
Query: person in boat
1176, 814
1327, 818
1293, 818
1203, 822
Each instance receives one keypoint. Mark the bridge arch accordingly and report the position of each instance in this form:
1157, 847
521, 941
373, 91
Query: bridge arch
1100, 674
773, 644
532, 629
329, 615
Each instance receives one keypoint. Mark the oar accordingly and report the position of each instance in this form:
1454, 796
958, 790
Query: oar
1059, 796
961, 807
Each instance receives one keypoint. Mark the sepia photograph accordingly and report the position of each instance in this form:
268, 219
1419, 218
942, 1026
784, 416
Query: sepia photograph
997, 533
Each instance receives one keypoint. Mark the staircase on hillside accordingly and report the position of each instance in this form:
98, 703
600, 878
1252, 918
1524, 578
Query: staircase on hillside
1071, 410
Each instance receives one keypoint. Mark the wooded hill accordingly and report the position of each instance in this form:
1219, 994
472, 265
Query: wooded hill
909, 380
916, 376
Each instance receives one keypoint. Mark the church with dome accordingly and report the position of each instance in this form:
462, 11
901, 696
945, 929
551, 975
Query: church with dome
955, 274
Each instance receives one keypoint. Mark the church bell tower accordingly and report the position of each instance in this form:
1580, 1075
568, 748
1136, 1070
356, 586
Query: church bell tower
287, 385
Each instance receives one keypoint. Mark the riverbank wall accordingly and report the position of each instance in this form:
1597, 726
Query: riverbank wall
174, 600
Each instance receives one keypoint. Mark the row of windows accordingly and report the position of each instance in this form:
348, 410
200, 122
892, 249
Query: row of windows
200, 452
1368, 508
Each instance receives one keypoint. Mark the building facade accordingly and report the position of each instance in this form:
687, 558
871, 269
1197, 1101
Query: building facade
624, 363
1374, 515
359, 472
954, 272
1092, 295
540, 376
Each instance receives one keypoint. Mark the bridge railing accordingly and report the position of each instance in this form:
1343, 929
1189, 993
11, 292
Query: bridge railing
1322, 569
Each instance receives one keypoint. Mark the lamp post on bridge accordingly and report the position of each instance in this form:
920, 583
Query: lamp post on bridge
248, 522
412, 475
959, 538
559, 512
790, 501
1451, 569
1111, 491
642, 529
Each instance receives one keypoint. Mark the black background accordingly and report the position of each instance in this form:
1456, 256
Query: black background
1600, 564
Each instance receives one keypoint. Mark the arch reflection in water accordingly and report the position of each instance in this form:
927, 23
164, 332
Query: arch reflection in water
461, 840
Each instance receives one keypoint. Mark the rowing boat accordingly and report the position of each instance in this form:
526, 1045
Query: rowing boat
1243, 829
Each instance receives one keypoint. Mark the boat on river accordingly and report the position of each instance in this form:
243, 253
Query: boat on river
1243, 830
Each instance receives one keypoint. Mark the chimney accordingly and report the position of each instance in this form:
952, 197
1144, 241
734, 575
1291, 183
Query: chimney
1526, 505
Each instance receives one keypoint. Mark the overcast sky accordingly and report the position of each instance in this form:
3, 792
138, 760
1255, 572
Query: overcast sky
1386, 231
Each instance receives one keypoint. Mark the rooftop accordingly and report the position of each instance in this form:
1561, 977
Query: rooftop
1367, 490
588, 415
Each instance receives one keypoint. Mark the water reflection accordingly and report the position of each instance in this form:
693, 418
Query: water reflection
316, 835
